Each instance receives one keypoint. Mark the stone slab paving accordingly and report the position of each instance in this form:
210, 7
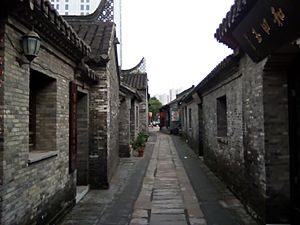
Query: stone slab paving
219, 205
155, 190
115, 205
167, 197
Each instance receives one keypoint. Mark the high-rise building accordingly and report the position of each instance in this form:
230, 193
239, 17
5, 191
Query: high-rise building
164, 98
75, 7
174, 92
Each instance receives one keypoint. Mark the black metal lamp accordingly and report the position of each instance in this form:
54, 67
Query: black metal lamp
31, 43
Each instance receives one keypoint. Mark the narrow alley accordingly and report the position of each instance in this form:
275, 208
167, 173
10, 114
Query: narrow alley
156, 190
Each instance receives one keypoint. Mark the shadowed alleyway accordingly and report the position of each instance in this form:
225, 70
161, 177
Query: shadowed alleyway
156, 190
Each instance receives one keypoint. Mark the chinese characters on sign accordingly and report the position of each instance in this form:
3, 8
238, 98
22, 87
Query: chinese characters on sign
267, 26
264, 28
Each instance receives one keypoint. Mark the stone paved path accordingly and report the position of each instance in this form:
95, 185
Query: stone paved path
155, 190
113, 206
167, 197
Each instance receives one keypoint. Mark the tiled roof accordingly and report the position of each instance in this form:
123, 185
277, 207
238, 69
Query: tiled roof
182, 95
97, 34
233, 17
138, 81
136, 77
43, 11
129, 90
220, 72
47, 22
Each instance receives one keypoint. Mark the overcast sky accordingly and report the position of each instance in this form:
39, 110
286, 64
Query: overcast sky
176, 38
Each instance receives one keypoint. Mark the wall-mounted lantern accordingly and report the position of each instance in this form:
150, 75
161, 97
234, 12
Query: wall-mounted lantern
31, 45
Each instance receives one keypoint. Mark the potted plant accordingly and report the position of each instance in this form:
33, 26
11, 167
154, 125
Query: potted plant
140, 142
138, 145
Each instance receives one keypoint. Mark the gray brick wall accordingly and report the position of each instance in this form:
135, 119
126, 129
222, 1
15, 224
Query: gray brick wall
143, 111
38, 191
253, 136
134, 122
226, 151
113, 119
192, 134
104, 125
2, 31
277, 149
225, 155
253, 158
82, 138
46, 109
98, 133
124, 127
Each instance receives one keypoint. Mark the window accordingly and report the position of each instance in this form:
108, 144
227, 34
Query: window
66, 13
82, 1
190, 118
87, 7
81, 7
66, 0
87, 1
87, 13
66, 7
57, 6
82, 13
222, 116
42, 112
52, 5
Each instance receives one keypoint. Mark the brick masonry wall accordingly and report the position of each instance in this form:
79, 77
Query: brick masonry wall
98, 133
143, 111
82, 138
35, 192
46, 109
225, 155
104, 125
193, 133
2, 32
276, 126
254, 135
134, 123
113, 119
253, 159
239, 158
184, 121
124, 126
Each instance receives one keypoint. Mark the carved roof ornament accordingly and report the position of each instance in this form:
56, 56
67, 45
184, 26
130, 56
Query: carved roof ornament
104, 13
107, 14
136, 77
139, 68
